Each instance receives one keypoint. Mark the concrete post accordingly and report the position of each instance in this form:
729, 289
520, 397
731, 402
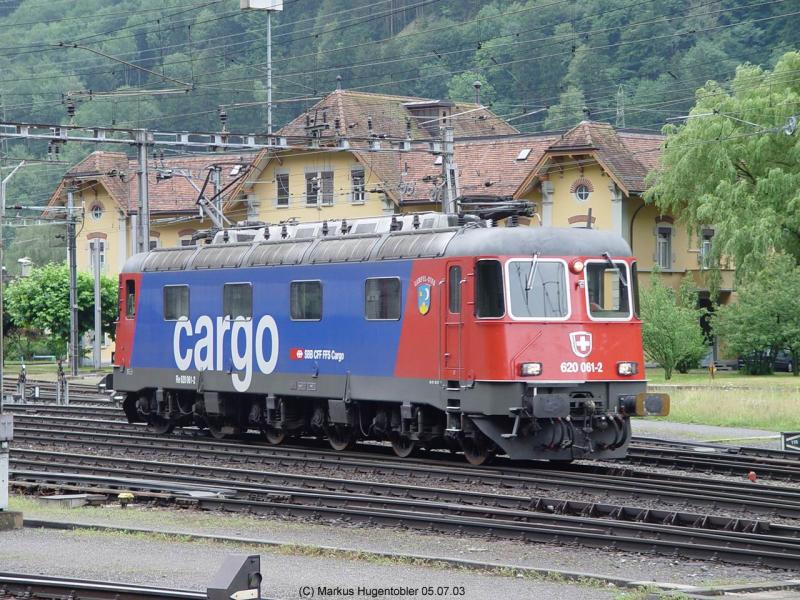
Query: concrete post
98, 327
74, 350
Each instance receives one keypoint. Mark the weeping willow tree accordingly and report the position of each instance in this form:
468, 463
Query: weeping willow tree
735, 165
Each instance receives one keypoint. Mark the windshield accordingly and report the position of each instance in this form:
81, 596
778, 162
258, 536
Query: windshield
538, 289
607, 290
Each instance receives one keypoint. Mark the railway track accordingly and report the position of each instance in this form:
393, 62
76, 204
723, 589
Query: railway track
526, 518
762, 499
723, 460
79, 394
31, 587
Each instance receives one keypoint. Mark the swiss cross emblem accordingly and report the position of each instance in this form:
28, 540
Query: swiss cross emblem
581, 342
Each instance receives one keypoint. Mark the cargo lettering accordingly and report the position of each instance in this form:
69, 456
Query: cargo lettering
201, 346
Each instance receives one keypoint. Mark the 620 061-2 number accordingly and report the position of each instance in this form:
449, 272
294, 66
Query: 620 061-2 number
581, 367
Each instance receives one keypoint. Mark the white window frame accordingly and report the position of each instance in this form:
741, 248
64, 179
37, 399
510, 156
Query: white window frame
278, 188
507, 286
576, 193
659, 246
358, 196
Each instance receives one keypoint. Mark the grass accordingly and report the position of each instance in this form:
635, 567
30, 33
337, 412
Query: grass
733, 400
724, 379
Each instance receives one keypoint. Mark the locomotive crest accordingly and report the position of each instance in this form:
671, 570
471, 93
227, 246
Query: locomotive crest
424, 298
581, 342
424, 284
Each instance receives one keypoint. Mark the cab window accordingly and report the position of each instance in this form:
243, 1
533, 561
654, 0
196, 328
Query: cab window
607, 290
130, 298
538, 289
489, 299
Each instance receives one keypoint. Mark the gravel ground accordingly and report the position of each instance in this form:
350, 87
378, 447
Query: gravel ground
607, 562
190, 565
734, 436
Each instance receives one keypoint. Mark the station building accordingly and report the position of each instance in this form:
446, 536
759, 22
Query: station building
356, 154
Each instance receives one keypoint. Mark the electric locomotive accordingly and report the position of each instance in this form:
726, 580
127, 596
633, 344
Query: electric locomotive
422, 330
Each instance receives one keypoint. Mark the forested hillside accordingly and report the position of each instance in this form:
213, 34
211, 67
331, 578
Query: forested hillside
170, 64
649, 55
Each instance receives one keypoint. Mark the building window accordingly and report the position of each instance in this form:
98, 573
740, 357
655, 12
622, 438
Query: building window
176, 302
96, 212
306, 300
319, 188
582, 192
155, 243
102, 244
187, 241
358, 181
237, 300
664, 247
706, 258
282, 184
382, 299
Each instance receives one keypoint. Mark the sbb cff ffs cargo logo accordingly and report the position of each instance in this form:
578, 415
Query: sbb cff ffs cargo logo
581, 342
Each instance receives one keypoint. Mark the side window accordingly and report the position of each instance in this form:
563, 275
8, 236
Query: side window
454, 289
382, 299
664, 247
306, 300
282, 183
130, 298
237, 300
635, 289
176, 302
489, 300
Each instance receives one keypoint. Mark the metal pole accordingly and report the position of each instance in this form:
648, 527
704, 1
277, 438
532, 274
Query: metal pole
215, 177
144, 206
2, 278
269, 72
73, 286
98, 328
448, 168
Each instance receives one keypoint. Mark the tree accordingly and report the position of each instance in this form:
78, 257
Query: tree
569, 110
671, 331
734, 167
766, 316
41, 302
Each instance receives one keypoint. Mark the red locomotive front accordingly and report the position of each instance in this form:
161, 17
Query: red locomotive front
540, 356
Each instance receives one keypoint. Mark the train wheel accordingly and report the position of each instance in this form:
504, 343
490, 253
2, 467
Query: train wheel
216, 431
403, 446
340, 438
160, 425
275, 436
477, 451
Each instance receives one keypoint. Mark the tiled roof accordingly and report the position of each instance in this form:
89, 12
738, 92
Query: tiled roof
117, 173
628, 155
389, 115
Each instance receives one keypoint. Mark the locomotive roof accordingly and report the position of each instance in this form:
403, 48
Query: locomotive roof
432, 243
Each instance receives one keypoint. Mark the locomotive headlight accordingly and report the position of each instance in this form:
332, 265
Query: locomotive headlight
576, 266
530, 369
627, 368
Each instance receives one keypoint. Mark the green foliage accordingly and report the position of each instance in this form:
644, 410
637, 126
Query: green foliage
733, 166
766, 316
40, 302
671, 330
